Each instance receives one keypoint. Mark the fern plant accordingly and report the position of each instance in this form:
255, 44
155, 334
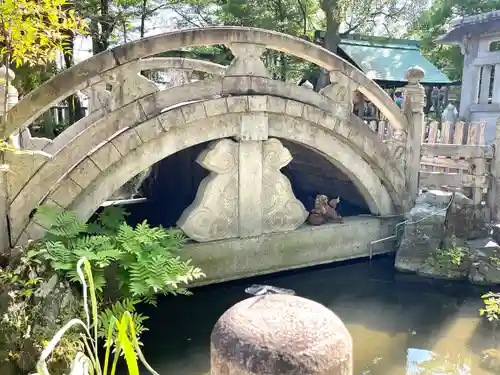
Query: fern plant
143, 259
149, 264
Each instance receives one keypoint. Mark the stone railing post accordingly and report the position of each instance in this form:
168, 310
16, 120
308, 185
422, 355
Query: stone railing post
280, 334
494, 191
12, 98
414, 102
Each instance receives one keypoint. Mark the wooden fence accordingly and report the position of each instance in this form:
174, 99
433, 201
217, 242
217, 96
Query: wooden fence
452, 155
456, 156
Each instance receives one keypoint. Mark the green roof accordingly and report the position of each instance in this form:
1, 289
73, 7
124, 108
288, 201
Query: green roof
390, 61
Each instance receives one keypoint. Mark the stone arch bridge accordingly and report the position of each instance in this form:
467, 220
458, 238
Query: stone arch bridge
133, 124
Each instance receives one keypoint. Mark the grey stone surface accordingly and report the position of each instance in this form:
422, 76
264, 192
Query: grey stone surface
214, 213
140, 115
422, 239
495, 232
89, 72
485, 267
304, 247
245, 195
446, 232
466, 220
280, 334
281, 211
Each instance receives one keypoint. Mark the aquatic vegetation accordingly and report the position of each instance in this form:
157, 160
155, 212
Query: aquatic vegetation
120, 333
491, 308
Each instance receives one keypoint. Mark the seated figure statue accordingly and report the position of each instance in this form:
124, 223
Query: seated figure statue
324, 211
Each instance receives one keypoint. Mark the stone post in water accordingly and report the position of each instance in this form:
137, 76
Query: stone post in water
278, 334
414, 102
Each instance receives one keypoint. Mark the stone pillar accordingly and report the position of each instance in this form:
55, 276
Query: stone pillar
280, 334
12, 98
494, 191
414, 102
496, 85
484, 93
470, 81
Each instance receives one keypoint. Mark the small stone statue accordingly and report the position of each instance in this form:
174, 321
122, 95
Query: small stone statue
324, 211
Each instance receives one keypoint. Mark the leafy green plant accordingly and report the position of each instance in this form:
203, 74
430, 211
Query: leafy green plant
491, 308
87, 362
453, 255
130, 265
145, 258
33, 303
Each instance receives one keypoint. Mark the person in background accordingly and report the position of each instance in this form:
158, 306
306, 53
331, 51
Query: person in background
398, 98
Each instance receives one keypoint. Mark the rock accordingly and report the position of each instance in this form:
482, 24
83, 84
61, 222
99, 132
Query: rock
280, 334
441, 266
421, 239
485, 266
55, 296
465, 220
437, 245
495, 232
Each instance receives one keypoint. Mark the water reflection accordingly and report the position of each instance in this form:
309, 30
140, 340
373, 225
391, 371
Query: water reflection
401, 325
425, 362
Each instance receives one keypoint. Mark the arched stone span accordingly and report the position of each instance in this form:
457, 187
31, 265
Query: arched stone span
180, 63
90, 71
313, 106
108, 167
154, 63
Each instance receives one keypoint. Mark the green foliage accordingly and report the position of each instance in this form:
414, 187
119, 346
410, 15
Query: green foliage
130, 265
29, 77
31, 31
453, 255
107, 315
491, 308
144, 257
120, 333
25, 287
435, 21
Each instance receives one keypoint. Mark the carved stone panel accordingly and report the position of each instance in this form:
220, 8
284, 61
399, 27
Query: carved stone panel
281, 211
245, 195
214, 213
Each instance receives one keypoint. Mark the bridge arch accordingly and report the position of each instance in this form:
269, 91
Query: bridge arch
86, 163
93, 70
92, 180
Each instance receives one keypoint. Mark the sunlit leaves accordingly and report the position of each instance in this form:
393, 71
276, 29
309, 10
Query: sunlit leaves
32, 31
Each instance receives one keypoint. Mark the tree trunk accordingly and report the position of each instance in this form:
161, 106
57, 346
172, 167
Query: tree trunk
143, 18
332, 38
101, 29
75, 109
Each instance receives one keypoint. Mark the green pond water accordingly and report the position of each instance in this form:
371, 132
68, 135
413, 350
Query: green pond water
400, 324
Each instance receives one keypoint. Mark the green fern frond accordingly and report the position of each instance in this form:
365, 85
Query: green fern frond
62, 225
108, 221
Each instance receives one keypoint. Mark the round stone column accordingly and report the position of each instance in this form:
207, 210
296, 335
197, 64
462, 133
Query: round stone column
280, 334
